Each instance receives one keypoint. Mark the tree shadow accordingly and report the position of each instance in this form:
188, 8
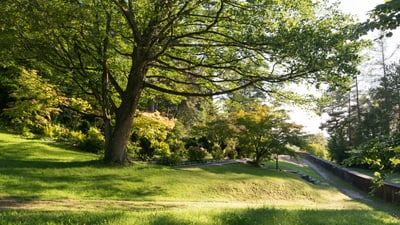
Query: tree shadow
42, 164
23, 217
30, 176
272, 216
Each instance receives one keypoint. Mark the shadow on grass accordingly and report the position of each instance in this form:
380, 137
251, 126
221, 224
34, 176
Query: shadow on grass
258, 216
23, 217
33, 164
283, 217
33, 170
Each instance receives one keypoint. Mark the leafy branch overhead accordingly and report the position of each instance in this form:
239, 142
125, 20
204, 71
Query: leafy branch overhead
385, 17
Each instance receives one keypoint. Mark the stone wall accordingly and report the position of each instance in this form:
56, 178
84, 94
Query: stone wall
388, 191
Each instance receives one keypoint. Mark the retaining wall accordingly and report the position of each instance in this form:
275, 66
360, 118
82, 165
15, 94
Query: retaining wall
388, 191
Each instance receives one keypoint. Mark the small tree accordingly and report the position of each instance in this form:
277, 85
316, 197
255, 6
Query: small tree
36, 101
265, 132
317, 144
286, 138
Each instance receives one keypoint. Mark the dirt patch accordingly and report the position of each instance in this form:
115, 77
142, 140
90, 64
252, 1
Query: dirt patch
86, 205
93, 205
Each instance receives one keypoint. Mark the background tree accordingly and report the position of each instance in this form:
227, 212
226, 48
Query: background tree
265, 132
317, 145
338, 124
112, 50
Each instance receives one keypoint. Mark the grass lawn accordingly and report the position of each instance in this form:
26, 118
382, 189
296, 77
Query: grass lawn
47, 183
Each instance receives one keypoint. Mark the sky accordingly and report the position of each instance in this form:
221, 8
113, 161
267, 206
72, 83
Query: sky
358, 8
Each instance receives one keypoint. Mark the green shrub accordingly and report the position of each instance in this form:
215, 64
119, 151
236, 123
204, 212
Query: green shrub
161, 148
146, 150
217, 152
56, 132
176, 146
197, 153
318, 150
76, 137
150, 132
94, 141
230, 150
84, 126
26, 132
170, 160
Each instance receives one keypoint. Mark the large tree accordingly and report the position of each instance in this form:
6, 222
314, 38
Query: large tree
113, 49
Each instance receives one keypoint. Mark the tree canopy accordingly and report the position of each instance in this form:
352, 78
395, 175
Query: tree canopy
110, 51
385, 16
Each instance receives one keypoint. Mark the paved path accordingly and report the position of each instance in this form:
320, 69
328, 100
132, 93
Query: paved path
217, 163
328, 177
352, 193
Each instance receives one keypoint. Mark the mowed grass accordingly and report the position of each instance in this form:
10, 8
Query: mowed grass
47, 183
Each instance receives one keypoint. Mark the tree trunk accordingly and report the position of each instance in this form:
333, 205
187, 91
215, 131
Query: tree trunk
115, 151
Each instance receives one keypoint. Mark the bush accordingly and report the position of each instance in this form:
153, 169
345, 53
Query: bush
93, 142
26, 132
170, 160
197, 153
217, 152
176, 146
161, 148
230, 150
84, 126
56, 132
76, 137
146, 151
150, 131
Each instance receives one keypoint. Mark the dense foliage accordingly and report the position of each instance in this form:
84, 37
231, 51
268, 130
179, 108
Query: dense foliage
385, 17
379, 154
364, 126
120, 55
364, 131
